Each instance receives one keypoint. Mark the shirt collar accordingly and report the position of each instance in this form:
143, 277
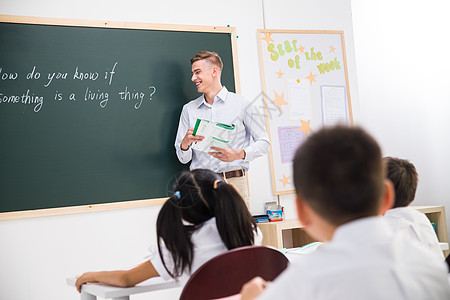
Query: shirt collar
222, 95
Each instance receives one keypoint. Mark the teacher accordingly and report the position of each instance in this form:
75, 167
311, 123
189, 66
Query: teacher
217, 104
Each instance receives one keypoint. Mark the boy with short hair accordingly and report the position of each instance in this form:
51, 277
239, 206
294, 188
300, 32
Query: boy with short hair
341, 193
402, 218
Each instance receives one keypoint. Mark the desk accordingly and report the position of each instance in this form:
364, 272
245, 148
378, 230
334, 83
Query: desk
273, 231
94, 290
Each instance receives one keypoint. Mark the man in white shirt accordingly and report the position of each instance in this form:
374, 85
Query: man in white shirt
341, 194
217, 104
414, 224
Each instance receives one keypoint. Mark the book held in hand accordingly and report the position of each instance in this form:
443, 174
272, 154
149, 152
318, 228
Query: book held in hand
216, 135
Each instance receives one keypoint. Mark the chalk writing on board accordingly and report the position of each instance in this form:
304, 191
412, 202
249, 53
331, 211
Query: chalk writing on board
78, 75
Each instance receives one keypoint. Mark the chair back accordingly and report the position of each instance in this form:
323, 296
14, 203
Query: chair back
225, 274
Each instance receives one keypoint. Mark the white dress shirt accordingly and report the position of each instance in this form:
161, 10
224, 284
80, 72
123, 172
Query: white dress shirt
207, 244
364, 260
228, 108
416, 226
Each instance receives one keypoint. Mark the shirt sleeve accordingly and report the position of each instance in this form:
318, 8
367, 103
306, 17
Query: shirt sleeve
253, 121
157, 263
183, 126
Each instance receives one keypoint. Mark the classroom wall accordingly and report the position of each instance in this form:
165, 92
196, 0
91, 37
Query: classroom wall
36, 255
403, 73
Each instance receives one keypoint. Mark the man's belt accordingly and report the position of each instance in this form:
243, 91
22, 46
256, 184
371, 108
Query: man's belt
231, 174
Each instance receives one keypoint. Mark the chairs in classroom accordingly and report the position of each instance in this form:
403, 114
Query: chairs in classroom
225, 274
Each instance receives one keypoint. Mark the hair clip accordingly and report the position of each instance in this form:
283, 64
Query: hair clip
177, 195
215, 183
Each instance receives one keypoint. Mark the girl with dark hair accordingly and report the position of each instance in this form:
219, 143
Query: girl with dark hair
204, 217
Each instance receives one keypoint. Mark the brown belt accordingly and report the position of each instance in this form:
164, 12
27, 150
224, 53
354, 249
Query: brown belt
231, 174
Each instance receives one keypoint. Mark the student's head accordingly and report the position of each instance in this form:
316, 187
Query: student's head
206, 70
404, 176
339, 175
198, 196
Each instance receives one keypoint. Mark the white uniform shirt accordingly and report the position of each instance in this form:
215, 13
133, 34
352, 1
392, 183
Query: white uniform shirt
416, 226
228, 108
207, 244
364, 260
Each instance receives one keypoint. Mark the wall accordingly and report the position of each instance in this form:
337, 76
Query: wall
403, 73
36, 255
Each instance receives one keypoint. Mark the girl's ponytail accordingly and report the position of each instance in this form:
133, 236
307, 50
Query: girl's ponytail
234, 222
175, 235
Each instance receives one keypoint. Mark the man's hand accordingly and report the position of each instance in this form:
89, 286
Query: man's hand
226, 154
189, 139
252, 289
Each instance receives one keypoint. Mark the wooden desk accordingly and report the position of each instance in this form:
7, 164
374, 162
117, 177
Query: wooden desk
94, 290
273, 231
437, 214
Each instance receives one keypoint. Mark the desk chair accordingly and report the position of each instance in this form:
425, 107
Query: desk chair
225, 274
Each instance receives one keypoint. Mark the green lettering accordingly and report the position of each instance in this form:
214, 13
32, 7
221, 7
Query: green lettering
294, 43
287, 46
307, 56
321, 68
274, 56
313, 54
297, 62
291, 63
280, 49
332, 66
319, 55
327, 67
338, 66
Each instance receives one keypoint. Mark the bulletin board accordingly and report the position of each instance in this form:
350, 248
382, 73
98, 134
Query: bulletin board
305, 84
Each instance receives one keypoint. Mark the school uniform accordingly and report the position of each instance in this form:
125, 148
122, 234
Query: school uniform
416, 226
207, 244
364, 260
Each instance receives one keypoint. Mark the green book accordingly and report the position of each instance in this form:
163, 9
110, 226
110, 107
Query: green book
216, 135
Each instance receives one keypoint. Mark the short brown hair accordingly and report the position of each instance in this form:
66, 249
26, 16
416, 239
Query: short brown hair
212, 57
339, 173
404, 176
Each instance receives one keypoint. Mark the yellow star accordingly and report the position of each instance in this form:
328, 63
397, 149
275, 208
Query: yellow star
311, 77
332, 49
298, 80
267, 37
279, 100
305, 127
280, 75
285, 180
301, 48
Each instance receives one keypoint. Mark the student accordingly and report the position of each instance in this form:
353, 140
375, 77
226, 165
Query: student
341, 193
204, 218
404, 219
217, 104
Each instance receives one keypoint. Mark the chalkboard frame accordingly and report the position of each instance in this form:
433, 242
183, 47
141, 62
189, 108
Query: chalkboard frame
114, 25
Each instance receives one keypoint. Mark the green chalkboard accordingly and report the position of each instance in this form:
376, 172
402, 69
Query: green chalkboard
89, 115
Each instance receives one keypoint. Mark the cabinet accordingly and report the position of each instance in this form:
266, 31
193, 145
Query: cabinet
277, 233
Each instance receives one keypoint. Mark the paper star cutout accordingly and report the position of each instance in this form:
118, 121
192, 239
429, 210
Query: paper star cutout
279, 100
280, 75
301, 49
332, 49
267, 37
311, 77
285, 180
305, 127
298, 80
